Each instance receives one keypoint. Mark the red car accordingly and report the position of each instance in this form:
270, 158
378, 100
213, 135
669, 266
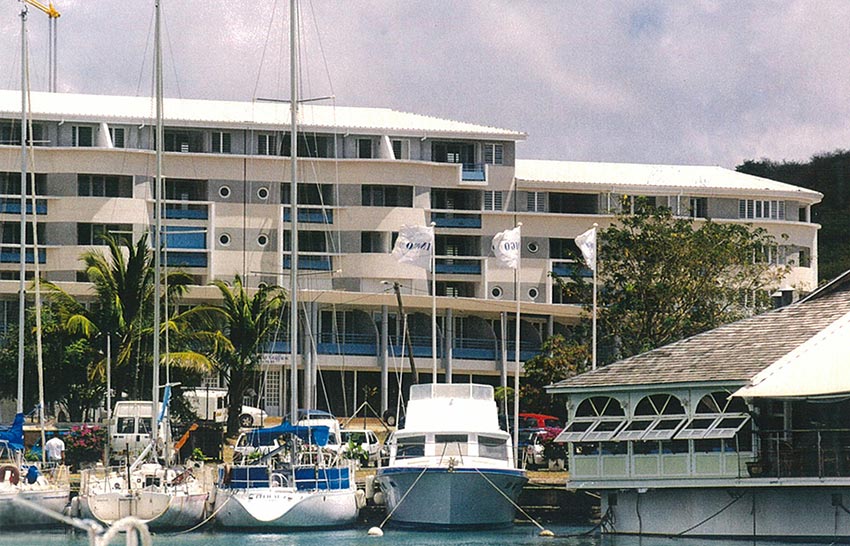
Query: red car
538, 420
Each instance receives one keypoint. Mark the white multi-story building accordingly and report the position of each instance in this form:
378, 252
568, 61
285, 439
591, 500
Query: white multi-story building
365, 172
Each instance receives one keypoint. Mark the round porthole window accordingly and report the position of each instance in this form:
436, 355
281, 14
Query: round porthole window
533, 293
263, 193
496, 292
533, 247
224, 192
263, 239
224, 239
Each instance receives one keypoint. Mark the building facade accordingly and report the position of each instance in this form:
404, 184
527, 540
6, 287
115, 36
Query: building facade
365, 172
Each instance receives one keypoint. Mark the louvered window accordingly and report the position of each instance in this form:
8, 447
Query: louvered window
536, 201
494, 154
493, 200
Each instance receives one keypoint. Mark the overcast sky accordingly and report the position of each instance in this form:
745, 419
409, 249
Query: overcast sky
695, 82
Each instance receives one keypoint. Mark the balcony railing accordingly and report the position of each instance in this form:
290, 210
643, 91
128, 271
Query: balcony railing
456, 220
13, 206
186, 211
310, 216
12, 255
309, 263
473, 172
459, 266
186, 259
803, 454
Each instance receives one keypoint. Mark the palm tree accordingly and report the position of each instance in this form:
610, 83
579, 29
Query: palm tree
123, 284
247, 324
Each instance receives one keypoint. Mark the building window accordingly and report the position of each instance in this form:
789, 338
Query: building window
364, 148
10, 184
117, 136
493, 153
533, 293
100, 185
698, 207
224, 192
183, 141
494, 200
456, 289
496, 292
761, 209
93, 234
569, 203
536, 201
533, 247
370, 242
224, 239
81, 136
220, 142
266, 144
263, 193
386, 196
262, 239
10, 233
399, 148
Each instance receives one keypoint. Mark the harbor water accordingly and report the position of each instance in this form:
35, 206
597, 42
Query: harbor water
519, 535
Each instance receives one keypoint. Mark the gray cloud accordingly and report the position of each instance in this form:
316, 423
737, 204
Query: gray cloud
702, 82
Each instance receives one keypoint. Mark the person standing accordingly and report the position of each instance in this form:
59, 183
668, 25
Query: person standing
55, 449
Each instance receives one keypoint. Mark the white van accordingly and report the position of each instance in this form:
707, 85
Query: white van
211, 404
365, 439
319, 418
130, 428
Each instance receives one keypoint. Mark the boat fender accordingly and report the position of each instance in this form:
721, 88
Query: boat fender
376, 532
75, 507
12, 471
378, 498
360, 499
227, 475
389, 417
546, 533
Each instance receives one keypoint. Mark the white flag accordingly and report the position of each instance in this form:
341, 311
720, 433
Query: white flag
586, 242
415, 245
506, 245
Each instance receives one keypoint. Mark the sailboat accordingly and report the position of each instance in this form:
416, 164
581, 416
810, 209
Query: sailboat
300, 484
161, 496
17, 481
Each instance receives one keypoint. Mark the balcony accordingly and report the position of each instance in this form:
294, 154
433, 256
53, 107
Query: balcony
186, 211
459, 266
186, 259
473, 172
13, 206
12, 255
310, 215
309, 263
347, 344
456, 220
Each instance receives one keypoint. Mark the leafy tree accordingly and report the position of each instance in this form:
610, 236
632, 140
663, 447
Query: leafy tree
663, 278
558, 359
246, 322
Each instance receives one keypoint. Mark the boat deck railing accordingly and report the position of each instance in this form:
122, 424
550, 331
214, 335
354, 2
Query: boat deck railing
822, 453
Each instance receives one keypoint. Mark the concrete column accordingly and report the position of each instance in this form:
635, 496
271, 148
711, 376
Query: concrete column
384, 358
550, 327
449, 336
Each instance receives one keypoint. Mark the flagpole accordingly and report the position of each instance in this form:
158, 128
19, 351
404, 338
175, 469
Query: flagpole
434, 305
596, 256
516, 349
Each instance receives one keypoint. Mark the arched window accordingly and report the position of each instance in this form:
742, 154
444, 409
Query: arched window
718, 415
597, 419
657, 417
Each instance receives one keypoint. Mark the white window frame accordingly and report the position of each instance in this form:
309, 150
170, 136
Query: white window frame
713, 430
113, 132
494, 153
494, 200
270, 144
535, 201
75, 136
761, 209
221, 142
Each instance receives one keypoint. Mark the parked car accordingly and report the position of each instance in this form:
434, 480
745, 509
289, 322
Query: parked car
211, 404
538, 420
365, 439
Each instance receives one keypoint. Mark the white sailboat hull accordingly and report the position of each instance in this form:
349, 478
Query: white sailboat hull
14, 516
160, 510
451, 498
285, 508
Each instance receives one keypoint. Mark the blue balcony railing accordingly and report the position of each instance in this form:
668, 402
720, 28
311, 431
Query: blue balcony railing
311, 216
12, 255
185, 237
456, 220
458, 266
184, 211
566, 269
13, 206
473, 172
309, 263
186, 259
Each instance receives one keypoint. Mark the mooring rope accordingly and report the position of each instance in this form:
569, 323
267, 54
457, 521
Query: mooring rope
517, 506
403, 497
205, 520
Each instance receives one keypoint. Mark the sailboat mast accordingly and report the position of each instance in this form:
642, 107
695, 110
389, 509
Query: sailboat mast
157, 250
23, 226
293, 209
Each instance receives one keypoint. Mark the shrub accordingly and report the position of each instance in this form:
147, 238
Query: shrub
84, 444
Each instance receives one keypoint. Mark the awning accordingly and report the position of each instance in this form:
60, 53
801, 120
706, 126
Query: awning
312, 434
819, 368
